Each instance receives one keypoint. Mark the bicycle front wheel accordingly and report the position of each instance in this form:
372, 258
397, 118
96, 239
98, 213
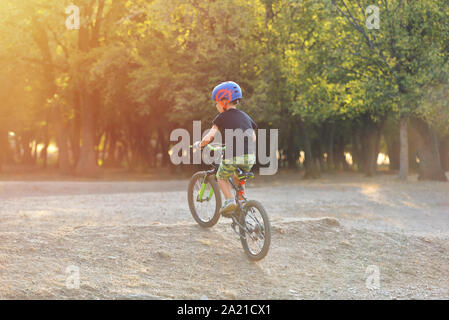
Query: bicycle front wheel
204, 199
255, 230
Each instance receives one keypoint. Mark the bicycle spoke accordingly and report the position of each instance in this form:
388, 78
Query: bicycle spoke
255, 230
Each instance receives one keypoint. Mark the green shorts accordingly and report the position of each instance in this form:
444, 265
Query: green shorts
228, 166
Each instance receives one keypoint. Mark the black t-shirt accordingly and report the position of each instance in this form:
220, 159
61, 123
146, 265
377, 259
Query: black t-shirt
234, 119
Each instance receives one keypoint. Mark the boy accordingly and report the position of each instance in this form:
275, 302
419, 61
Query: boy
227, 95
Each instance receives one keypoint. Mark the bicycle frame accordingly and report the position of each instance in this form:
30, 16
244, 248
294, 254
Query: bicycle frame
203, 188
239, 190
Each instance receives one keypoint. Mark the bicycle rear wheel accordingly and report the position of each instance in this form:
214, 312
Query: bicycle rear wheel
256, 232
204, 199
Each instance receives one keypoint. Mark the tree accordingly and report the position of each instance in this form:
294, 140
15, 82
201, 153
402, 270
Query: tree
406, 51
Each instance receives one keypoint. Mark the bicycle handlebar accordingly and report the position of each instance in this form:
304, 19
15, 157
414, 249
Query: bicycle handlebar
213, 148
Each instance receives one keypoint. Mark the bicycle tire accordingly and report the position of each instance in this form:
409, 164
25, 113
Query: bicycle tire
191, 199
267, 226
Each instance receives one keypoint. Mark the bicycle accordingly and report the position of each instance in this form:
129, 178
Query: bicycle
251, 230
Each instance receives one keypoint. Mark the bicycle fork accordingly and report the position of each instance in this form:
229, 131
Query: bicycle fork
202, 189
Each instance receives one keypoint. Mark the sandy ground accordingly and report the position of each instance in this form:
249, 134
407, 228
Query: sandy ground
137, 240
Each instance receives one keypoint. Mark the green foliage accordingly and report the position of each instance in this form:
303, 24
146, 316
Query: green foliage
156, 62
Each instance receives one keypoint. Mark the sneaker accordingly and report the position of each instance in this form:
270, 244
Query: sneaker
228, 206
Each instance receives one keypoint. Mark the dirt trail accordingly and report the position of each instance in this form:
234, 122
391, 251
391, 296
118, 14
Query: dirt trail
136, 240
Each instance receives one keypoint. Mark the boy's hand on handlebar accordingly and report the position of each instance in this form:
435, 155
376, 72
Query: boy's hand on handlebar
197, 146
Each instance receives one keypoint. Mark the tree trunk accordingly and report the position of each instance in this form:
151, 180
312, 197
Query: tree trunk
319, 148
62, 141
428, 152
291, 151
41, 39
147, 149
330, 148
373, 136
392, 142
18, 150
107, 137
44, 155
370, 156
393, 153
75, 136
444, 154
403, 156
310, 166
110, 160
25, 140
377, 146
44, 151
339, 154
35, 152
4, 147
356, 152
87, 164
163, 145
318, 154
88, 37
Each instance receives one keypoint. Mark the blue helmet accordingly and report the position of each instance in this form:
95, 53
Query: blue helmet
229, 90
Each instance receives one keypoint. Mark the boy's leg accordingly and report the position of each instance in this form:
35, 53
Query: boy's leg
225, 171
245, 163
225, 187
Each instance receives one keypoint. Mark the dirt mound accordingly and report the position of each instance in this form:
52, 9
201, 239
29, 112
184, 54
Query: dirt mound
309, 258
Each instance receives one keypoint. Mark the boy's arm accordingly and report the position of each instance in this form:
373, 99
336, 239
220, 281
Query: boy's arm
209, 137
254, 125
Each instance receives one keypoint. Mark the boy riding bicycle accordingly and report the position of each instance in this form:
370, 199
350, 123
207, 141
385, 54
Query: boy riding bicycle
227, 95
